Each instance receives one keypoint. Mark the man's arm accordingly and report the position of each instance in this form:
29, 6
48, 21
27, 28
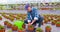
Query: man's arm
33, 21
36, 16
29, 18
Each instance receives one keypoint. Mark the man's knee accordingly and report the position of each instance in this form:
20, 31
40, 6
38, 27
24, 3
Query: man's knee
41, 19
25, 21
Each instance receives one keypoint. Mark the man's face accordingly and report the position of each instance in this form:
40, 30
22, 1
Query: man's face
29, 9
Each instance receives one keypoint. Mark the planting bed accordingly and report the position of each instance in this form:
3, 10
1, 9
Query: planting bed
48, 19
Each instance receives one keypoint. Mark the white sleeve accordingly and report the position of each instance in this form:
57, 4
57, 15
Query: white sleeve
29, 20
35, 18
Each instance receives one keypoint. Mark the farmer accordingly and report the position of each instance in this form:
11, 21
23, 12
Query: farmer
33, 16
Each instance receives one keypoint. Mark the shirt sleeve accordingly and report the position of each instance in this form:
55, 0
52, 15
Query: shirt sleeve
36, 14
28, 17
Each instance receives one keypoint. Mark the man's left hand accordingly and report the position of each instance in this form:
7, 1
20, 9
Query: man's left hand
29, 24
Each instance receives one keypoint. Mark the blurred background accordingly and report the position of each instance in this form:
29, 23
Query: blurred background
19, 4
12, 10
47, 6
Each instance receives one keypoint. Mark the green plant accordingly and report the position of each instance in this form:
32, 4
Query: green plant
17, 17
1, 27
53, 22
58, 23
11, 15
11, 18
21, 20
48, 26
5, 22
9, 25
9, 30
14, 28
3, 14
0, 17
39, 29
21, 29
31, 26
58, 19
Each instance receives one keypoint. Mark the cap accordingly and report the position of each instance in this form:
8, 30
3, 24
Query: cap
26, 6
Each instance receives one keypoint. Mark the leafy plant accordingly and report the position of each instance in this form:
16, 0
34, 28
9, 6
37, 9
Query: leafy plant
39, 29
21, 20
0, 17
53, 21
9, 30
3, 14
58, 23
18, 15
1, 27
6, 21
31, 26
21, 29
58, 18
48, 26
11, 15
11, 18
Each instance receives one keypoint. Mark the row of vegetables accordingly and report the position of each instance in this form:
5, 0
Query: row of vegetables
15, 28
54, 19
49, 8
13, 16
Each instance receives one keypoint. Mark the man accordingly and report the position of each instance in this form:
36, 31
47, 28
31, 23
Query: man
33, 16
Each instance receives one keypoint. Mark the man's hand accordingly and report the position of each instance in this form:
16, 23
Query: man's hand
29, 24
33, 21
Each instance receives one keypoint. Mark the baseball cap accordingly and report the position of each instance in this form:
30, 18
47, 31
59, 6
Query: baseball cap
26, 6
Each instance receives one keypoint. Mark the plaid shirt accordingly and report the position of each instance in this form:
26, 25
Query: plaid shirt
34, 14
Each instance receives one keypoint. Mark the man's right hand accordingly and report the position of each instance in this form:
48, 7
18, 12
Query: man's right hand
29, 24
